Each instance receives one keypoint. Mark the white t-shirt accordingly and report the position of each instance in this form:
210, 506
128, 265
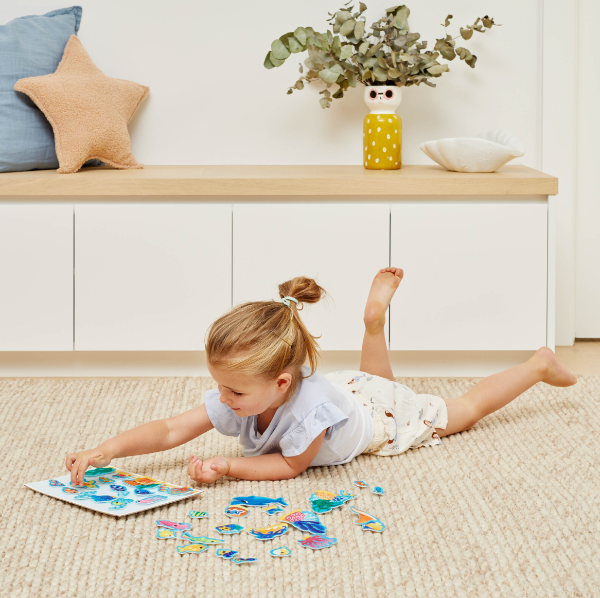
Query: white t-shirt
316, 405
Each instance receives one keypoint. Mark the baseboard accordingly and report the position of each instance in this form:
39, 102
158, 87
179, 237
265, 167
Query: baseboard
67, 364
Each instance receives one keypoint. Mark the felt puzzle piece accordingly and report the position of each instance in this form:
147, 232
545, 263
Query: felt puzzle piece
69, 490
151, 499
367, 521
269, 533
198, 514
237, 512
120, 503
166, 534
121, 475
182, 527
317, 542
55, 483
140, 481
164, 487
142, 491
87, 485
104, 480
282, 551
178, 491
86, 495
257, 501
120, 490
361, 484
224, 553
244, 561
148, 486
102, 497
192, 549
304, 521
272, 510
378, 490
322, 501
99, 471
232, 528
201, 539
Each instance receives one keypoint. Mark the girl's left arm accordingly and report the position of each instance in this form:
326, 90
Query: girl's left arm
264, 467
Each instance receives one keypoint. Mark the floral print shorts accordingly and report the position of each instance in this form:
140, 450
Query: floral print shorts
402, 418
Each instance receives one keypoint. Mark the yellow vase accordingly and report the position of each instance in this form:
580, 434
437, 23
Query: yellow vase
382, 130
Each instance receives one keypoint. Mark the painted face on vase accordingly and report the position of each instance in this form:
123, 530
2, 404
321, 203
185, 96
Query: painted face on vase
382, 98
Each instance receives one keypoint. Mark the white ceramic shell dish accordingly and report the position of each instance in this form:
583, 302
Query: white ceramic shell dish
485, 153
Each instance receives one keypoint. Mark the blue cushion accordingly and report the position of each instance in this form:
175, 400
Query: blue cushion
30, 46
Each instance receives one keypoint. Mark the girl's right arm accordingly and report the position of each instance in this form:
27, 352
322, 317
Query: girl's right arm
155, 436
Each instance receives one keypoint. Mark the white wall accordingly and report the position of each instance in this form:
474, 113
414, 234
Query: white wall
211, 100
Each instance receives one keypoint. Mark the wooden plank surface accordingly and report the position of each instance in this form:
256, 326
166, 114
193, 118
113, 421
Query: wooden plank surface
278, 180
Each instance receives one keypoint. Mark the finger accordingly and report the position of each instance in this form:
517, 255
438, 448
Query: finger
69, 461
74, 467
81, 471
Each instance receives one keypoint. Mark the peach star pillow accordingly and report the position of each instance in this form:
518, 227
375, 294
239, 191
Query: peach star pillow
88, 111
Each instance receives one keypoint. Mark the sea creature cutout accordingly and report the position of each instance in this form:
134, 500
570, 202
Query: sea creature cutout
147, 486
140, 481
361, 484
55, 483
68, 490
120, 490
282, 551
88, 485
198, 514
192, 548
232, 528
142, 491
224, 553
121, 475
201, 539
367, 521
164, 487
272, 510
304, 521
166, 534
151, 499
97, 497
257, 501
237, 512
244, 561
120, 503
269, 533
182, 527
317, 542
378, 490
86, 495
322, 501
178, 491
104, 480
99, 471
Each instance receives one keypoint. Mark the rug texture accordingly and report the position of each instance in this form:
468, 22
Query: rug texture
510, 507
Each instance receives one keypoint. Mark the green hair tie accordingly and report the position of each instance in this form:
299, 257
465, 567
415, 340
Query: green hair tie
286, 302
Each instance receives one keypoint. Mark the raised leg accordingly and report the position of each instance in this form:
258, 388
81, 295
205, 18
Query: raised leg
374, 358
494, 392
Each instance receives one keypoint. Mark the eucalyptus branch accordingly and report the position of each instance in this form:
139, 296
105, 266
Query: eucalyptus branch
345, 56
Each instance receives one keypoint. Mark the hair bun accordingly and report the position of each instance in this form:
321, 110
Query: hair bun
304, 289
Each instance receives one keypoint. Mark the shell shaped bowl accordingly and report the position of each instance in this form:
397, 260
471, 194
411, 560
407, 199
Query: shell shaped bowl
486, 152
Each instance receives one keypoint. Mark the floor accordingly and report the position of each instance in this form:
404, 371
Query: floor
582, 358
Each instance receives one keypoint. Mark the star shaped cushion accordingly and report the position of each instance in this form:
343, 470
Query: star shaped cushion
88, 111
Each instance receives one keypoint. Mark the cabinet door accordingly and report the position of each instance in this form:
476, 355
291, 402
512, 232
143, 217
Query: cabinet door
150, 277
36, 277
341, 246
475, 275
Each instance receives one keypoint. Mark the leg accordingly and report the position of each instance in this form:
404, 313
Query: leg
374, 358
493, 392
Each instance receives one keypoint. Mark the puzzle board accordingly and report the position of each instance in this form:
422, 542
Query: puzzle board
115, 491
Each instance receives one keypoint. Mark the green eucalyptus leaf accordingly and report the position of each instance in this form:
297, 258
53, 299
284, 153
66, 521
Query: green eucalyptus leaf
275, 61
335, 46
279, 51
341, 16
359, 30
471, 61
299, 84
372, 51
300, 35
352, 79
348, 27
268, 64
337, 68
438, 69
382, 63
324, 103
447, 21
363, 47
362, 7
339, 93
370, 62
380, 74
347, 51
466, 33
329, 76
394, 74
295, 46
401, 19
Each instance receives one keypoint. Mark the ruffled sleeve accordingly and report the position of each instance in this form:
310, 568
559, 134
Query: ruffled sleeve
298, 439
221, 416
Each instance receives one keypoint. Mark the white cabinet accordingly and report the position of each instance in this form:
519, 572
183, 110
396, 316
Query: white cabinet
341, 246
475, 275
150, 277
36, 277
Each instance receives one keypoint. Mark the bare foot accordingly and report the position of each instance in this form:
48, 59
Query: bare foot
553, 372
382, 290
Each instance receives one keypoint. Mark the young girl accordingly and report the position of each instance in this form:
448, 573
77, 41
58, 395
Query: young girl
289, 417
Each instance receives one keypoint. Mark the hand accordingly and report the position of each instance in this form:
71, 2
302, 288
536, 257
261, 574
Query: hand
77, 463
205, 472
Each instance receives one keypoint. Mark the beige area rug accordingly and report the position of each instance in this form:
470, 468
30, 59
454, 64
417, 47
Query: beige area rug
509, 508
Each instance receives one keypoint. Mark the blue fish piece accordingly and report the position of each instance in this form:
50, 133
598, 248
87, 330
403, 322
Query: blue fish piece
120, 503
142, 491
257, 501
102, 497
226, 554
232, 528
378, 490
244, 561
86, 495
119, 489
273, 510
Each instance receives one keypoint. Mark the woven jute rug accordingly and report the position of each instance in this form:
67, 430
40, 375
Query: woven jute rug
508, 508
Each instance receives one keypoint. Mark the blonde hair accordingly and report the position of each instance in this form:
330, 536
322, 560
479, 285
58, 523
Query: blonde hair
262, 338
